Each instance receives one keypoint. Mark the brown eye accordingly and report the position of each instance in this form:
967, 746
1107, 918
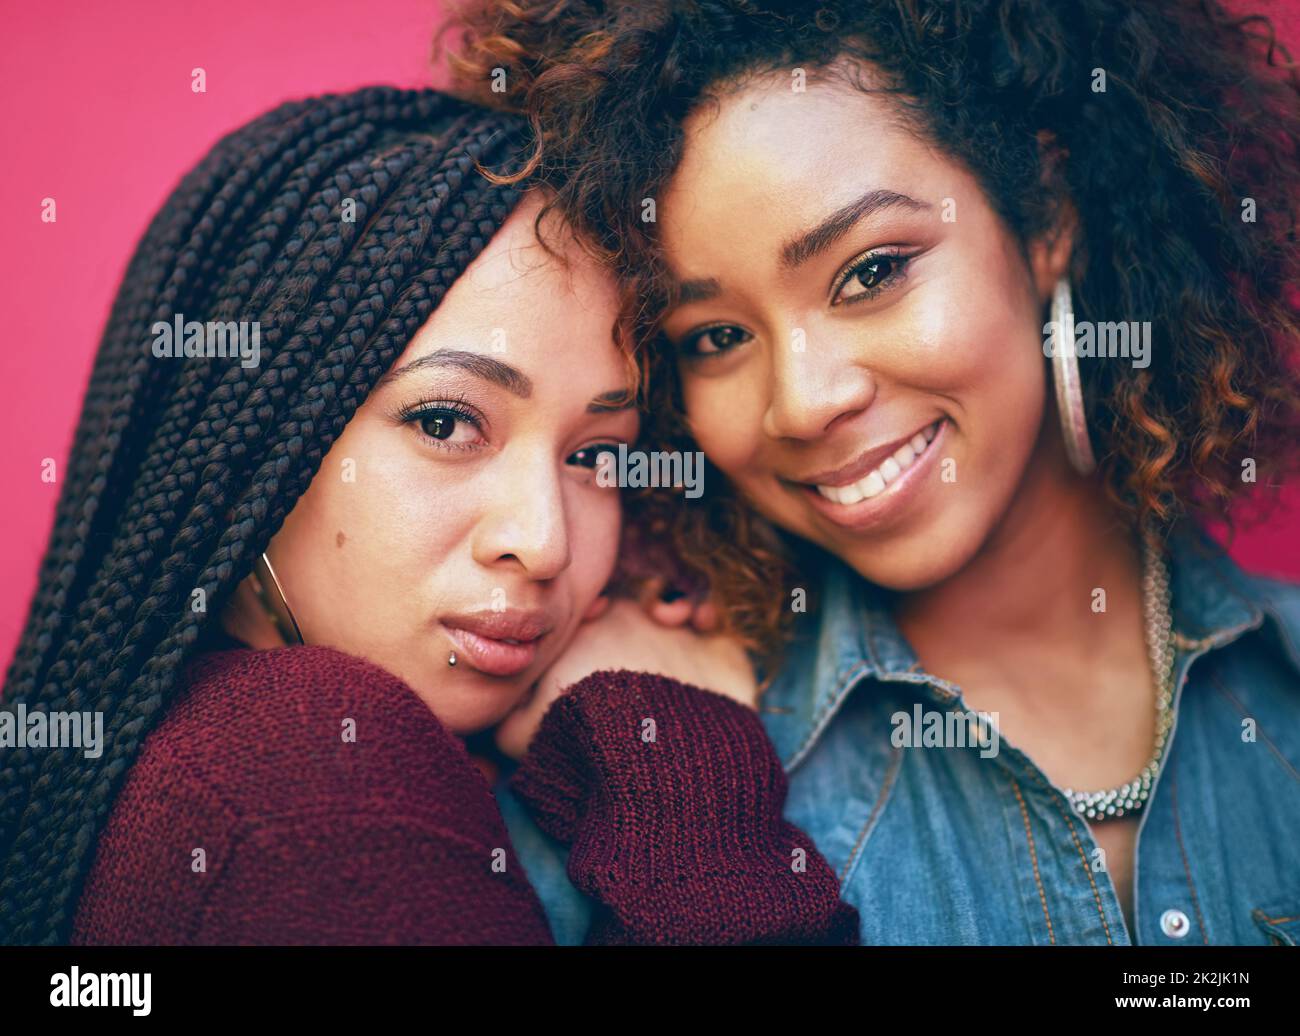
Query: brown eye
869, 277
446, 426
875, 271
438, 425
713, 340
589, 456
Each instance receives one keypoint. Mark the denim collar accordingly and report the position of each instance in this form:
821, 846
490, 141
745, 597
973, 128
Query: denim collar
851, 636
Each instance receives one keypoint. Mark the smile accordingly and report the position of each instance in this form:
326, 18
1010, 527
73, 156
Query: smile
879, 483
884, 474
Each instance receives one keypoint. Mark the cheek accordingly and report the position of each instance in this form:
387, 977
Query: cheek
976, 355
367, 537
725, 417
596, 525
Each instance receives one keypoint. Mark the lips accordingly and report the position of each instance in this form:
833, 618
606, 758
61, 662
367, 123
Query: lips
887, 471
498, 643
866, 495
870, 461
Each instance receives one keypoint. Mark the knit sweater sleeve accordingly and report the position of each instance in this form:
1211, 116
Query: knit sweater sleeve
304, 796
671, 797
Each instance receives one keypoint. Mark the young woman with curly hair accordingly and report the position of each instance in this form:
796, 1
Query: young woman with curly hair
977, 310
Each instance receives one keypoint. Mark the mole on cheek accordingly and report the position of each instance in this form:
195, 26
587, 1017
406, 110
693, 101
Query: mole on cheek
340, 538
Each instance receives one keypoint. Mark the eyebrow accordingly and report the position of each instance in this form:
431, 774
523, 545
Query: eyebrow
698, 290
512, 379
800, 249
611, 402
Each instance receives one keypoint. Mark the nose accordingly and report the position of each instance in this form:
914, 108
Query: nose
525, 519
815, 382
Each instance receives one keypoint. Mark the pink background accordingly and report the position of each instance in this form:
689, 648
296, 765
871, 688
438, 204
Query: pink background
98, 113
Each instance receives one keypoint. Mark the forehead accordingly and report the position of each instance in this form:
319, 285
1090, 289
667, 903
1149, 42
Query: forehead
767, 157
530, 307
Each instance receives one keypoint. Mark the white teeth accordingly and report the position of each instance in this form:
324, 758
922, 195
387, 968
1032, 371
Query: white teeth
872, 484
851, 494
889, 470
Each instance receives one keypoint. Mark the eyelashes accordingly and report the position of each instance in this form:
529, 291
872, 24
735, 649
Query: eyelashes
893, 262
730, 335
437, 421
867, 277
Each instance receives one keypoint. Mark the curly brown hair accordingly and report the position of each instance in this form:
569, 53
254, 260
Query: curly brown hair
1201, 123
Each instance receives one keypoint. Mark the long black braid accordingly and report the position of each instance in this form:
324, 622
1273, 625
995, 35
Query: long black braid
182, 470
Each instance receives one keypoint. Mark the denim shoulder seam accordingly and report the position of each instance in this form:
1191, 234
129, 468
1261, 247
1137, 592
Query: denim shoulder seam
1272, 747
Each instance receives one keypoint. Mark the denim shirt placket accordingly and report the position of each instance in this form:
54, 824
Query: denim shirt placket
1078, 902
1174, 894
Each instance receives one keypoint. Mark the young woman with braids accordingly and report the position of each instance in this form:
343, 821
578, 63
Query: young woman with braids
865, 231
292, 589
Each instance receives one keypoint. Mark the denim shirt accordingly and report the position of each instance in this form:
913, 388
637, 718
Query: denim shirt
964, 846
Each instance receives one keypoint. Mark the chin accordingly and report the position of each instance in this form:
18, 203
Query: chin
471, 703
914, 562
473, 709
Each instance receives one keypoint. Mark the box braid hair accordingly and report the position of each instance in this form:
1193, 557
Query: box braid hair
182, 470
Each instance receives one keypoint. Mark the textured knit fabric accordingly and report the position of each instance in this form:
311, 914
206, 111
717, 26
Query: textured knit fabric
671, 798
335, 224
302, 795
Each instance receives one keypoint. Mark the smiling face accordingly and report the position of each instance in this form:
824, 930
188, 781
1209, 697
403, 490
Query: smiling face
459, 510
860, 336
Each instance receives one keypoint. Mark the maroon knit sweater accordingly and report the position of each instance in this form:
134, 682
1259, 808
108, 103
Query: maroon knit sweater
302, 795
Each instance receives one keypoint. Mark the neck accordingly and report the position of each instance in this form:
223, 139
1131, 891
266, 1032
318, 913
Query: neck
1034, 577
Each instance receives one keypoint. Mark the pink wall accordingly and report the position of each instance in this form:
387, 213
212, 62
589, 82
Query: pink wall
98, 114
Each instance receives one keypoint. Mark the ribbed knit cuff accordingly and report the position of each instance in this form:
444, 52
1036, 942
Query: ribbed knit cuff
671, 796
646, 749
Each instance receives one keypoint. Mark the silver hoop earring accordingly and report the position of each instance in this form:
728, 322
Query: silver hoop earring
1069, 387
268, 584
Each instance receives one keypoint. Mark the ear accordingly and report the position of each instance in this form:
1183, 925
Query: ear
1049, 253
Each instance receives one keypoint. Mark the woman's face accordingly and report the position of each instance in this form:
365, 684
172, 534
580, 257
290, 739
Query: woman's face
459, 509
861, 338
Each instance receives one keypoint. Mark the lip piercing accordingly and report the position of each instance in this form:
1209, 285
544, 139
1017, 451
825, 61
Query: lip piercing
451, 659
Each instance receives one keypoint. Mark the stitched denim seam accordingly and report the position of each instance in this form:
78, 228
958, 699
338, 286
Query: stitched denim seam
1182, 851
1033, 858
824, 714
1083, 857
1286, 763
894, 766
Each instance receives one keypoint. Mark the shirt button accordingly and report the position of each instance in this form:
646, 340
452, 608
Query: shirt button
1174, 924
